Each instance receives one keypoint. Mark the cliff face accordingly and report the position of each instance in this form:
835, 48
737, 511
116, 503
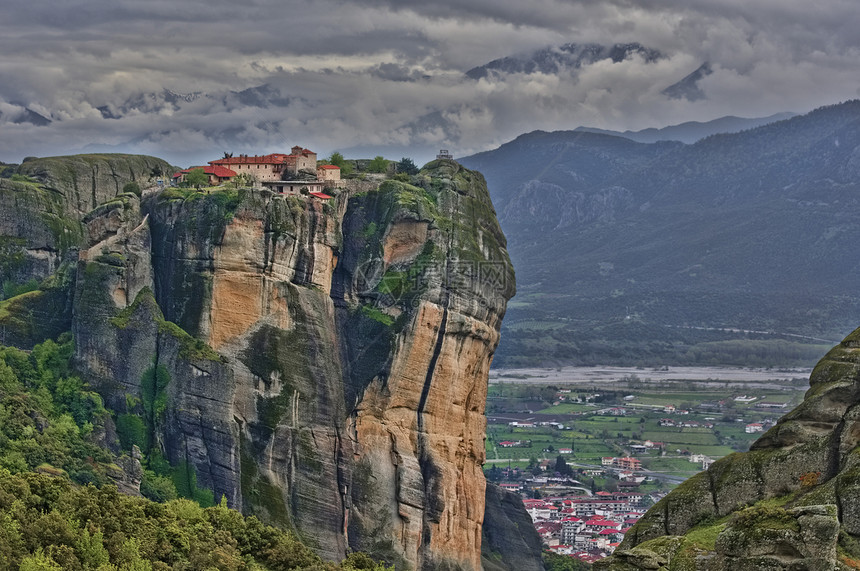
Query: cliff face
41, 230
323, 365
791, 502
432, 261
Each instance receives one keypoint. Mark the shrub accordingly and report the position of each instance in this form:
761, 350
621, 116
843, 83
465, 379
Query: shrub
132, 188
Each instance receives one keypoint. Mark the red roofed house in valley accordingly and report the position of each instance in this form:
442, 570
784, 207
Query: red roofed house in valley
629, 463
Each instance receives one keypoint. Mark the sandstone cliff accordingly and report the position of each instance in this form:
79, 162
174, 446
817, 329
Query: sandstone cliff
322, 365
791, 502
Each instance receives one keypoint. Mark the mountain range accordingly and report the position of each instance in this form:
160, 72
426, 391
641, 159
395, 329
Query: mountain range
738, 248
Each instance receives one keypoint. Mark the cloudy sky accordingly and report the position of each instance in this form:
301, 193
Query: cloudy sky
386, 76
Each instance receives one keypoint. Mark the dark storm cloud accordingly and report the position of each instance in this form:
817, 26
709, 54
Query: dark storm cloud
389, 74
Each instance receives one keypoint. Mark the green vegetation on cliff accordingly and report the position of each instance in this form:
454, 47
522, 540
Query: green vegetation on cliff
48, 523
51, 423
49, 420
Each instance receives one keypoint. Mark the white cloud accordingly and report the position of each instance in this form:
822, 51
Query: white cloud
379, 73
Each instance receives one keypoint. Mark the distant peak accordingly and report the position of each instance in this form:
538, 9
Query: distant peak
567, 57
688, 88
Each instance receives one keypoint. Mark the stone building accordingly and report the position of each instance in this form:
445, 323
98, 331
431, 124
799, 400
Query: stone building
328, 173
276, 166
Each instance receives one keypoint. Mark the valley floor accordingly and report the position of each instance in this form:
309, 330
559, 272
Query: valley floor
592, 446
624, 375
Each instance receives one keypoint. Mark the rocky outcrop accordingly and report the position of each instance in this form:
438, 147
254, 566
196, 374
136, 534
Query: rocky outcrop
510, 540
41, 213
788, 503
86, 181
322, 365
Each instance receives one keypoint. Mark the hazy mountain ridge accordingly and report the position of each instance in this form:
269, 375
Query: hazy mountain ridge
751, 230
567, 57
167, 100
692, 131
27, 115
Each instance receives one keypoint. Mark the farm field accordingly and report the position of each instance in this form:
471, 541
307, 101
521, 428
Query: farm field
663, 423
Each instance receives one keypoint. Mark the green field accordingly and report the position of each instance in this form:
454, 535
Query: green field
714, 451
701, 438
673, 465
567, 408
593, 436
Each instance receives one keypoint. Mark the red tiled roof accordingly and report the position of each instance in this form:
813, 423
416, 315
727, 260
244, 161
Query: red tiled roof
329, 167
320, 195
272, 159
219, 171
604, 523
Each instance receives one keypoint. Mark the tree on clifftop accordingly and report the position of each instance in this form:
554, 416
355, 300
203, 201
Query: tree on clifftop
337, 160
378, 164
406, 165
197, 178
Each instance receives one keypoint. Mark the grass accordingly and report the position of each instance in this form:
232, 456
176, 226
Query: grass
707, 439
377, 315
567, 408
674, 465
6, 304
668, 396
595, 436
714, 451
